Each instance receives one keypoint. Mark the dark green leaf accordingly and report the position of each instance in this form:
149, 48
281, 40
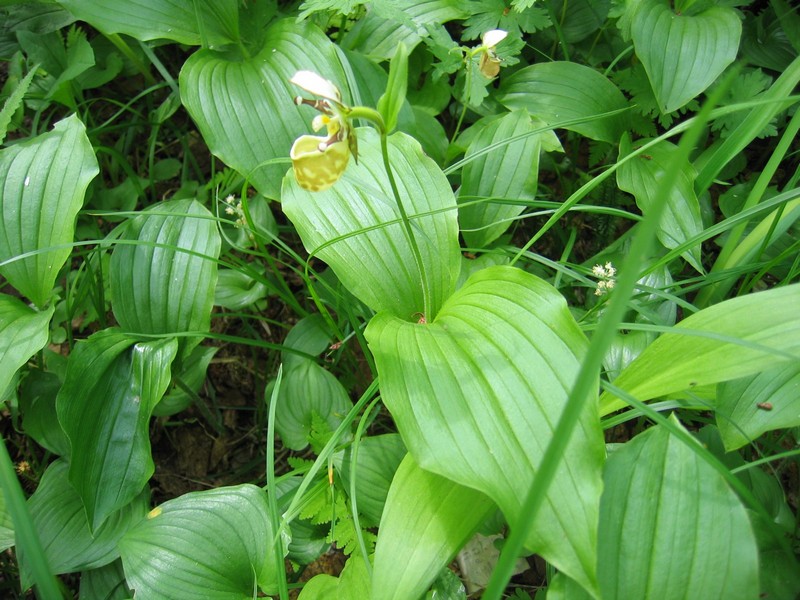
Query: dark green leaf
244, 108
60, 520
308, 390
683, 55
748, 407
681, 219
37, 400
509, 171
211, 22
165, 281
23, 332
378, 459
43, 182
104, 406
561, 91
215, 545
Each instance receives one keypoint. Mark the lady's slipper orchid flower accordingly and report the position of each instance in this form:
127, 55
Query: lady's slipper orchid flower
319, 161
490, 64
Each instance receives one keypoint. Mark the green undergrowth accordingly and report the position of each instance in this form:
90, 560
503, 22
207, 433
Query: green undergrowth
380, 300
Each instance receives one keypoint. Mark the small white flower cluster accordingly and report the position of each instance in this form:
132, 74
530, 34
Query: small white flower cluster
605, 273
234, 208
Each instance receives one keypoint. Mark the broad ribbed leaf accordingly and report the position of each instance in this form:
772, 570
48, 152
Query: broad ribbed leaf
310, 336
214, 21
374, 260
215, 545
307, 390
104, 406
476, 395
643, 175
37, 401
509, 171
164, 282
747, 407
378, 459
387, 24
726, 341
670, 527
427, 519
683, 55
23, 332
559, 91
105, 583
245, 108
43, 183
60, 519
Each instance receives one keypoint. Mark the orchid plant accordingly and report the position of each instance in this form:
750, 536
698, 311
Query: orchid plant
518, 290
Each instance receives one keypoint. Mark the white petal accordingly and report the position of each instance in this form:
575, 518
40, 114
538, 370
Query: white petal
317, 85
493, 37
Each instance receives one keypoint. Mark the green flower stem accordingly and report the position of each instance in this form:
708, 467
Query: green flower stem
369, 114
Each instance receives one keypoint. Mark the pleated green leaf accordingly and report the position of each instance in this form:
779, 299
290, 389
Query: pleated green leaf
372, 259
43, 183
378, 459
23, 332
214, 21
683, 55
681, 219
747, 407
245, 109
105, 583
215, 545
60, 519
560, 91
385, 26
164, 281
427, 519
729, 340
111, 386
307, 390
670, 527
510, 171
476, 395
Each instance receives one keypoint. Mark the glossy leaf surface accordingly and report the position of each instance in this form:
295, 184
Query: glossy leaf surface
378, 459
164, 281
670, 527
726, 341
212, 21
23, 332
214, 544
308, 390
509, 171
560, 91
233, 100
43, 181
476, 395
111, 386
369, 251
60, 519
